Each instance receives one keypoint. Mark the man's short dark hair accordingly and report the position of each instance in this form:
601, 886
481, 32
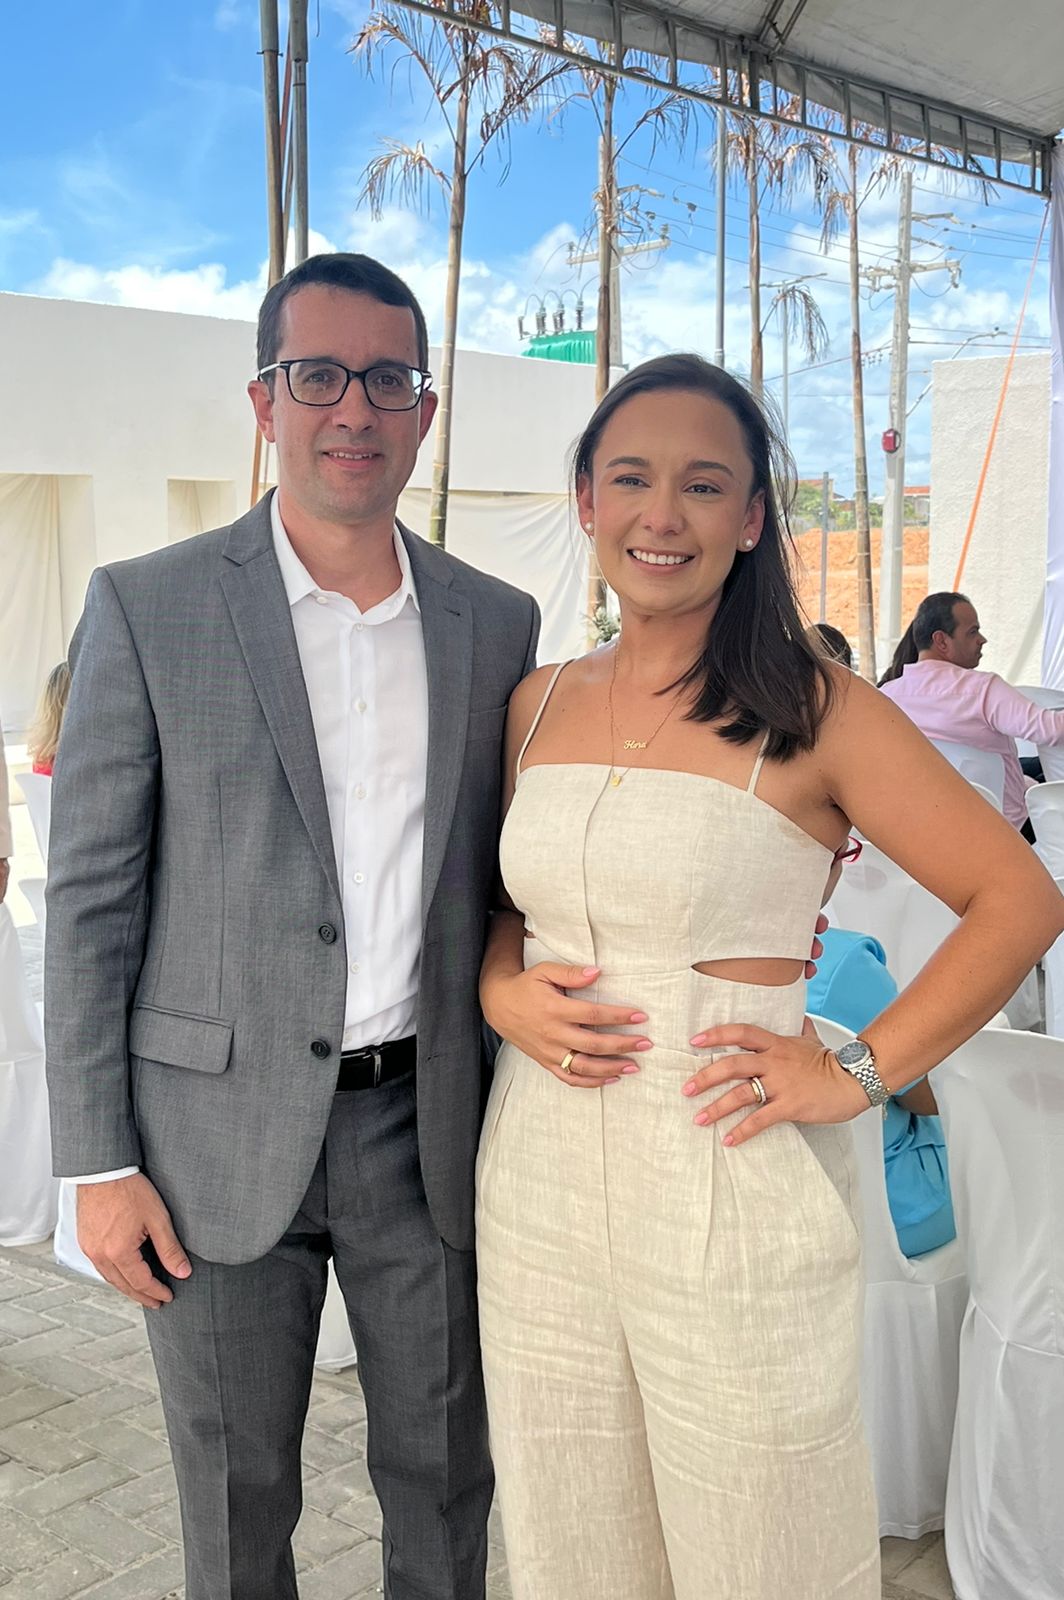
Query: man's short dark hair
340, 270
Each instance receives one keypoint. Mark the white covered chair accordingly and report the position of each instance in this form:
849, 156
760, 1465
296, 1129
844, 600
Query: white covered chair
981, 767
37, 790
1053, 699
28, 1192
1045, 807
874, 895
1053, 967
336, 1347
33, 889
913, 1314
1002, 1102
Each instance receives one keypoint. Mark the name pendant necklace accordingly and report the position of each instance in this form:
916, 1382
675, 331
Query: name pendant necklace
629, 744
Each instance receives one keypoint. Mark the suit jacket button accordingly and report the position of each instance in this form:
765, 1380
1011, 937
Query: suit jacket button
327, 933
320, 1048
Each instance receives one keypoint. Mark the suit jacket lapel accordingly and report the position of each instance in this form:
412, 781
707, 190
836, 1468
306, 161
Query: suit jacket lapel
447, 627
255, 593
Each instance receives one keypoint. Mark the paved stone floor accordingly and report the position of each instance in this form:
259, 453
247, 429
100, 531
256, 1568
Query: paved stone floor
87, 1499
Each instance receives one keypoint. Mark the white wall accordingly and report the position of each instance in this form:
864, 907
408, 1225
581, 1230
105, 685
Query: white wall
143, 421
1005, 571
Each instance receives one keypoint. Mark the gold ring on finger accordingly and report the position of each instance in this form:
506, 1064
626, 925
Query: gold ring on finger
567, 1060
759, 1091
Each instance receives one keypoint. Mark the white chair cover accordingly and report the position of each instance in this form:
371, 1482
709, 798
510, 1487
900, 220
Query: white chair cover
874, 895
28, 1192
1052, 698
1045, 807
982, 767
1002, 1102
336, 1348
913, 1314
33, 889
37, 790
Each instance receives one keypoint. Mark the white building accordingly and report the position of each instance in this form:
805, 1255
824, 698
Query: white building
122, 430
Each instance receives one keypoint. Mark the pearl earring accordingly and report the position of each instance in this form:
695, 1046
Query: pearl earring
588, 526
748, 544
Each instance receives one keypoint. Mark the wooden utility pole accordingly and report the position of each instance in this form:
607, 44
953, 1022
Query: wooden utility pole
297, 49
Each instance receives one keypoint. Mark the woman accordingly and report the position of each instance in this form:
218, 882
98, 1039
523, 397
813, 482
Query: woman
42, 741
669, 1266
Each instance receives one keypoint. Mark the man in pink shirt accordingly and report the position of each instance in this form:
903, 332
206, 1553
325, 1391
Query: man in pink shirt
933, 679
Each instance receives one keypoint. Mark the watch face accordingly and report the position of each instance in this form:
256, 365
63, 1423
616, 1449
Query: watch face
854, 1054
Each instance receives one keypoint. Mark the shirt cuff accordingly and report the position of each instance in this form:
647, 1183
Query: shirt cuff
105, 1177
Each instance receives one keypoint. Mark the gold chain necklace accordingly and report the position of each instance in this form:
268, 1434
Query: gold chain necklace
629, 744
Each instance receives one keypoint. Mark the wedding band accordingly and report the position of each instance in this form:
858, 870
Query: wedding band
759, 1091
567, 1060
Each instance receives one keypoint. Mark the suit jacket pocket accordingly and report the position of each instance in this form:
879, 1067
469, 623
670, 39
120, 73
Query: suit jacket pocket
179, 1039
487, 724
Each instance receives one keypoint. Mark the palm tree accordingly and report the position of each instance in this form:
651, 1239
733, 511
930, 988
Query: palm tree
470, 76
670, 119
775, 159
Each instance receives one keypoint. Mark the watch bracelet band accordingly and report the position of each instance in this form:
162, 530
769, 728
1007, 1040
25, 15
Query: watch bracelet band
868, 1077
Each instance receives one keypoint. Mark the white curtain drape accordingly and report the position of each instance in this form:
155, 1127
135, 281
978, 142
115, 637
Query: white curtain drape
1053, 636
31, 610
532, 541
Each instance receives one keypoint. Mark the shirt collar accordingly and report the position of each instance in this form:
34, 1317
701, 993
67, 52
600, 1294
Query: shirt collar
298, 582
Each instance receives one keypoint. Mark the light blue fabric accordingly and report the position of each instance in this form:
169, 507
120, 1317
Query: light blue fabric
851, 987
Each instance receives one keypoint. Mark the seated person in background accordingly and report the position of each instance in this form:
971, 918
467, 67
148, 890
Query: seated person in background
933, 679
833, 642
42, 741
851, 987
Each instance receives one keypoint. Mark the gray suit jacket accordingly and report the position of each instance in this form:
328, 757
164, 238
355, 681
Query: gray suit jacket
193, 892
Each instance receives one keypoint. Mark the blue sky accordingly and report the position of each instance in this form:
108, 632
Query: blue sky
131, 171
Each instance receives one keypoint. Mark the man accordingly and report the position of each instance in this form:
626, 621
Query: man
933, 678
274, 829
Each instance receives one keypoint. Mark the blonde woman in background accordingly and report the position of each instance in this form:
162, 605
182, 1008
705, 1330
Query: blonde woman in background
42, 741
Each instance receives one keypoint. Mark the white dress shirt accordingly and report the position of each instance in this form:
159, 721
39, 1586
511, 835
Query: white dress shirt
367, 685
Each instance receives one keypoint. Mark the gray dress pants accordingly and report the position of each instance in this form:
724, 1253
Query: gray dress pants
234, 1353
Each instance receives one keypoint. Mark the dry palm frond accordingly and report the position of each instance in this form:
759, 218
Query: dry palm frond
402, 170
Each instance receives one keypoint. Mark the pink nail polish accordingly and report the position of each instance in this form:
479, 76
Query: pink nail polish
639, 1016
690, 1088
698, 1039
605, 1081
643, 1044
702, 1118
589, 972
630, 1068
728, 1140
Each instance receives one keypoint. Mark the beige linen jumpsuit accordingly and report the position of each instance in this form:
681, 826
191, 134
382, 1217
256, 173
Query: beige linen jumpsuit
670, 1328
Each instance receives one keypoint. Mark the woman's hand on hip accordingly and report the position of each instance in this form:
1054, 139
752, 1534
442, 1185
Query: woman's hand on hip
800, 1079
531, 1010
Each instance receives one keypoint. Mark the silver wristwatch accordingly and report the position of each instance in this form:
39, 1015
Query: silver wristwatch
857, 1059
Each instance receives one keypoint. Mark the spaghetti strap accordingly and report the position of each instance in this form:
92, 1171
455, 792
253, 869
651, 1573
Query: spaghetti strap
555, 675
759, 763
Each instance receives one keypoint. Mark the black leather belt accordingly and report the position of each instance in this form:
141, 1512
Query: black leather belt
379, 1063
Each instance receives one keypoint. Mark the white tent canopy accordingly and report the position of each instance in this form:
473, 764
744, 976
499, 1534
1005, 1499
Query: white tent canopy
972, 83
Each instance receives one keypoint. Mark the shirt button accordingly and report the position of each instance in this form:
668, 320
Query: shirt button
358, 877
321, 599
327, 933
355, 968
360, 705
320, 1048
360, 792
359, 626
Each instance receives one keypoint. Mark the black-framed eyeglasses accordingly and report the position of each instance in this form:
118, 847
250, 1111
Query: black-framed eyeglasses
318, 381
